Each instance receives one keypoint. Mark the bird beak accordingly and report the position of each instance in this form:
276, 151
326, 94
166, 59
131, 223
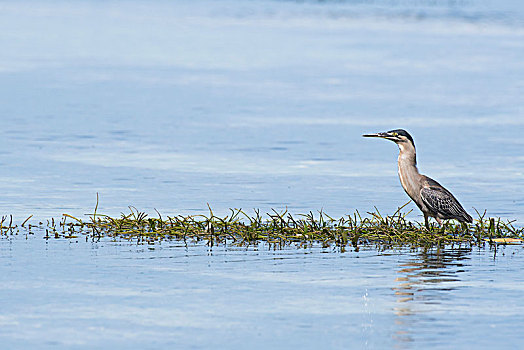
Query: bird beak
384, 135
378, 134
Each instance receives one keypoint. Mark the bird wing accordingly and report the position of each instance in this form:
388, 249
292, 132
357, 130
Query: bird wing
441, 201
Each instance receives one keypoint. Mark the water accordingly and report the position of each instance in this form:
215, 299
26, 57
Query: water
119, 295
254, 104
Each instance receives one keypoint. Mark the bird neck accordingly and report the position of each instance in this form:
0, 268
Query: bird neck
407, 155
407, 170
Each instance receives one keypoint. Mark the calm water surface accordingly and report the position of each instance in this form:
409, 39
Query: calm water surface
119, 295
256, 104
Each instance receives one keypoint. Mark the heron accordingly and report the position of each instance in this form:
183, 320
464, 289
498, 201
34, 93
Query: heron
431, 197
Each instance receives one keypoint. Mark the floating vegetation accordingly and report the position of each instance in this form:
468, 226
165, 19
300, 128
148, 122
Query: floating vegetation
276, 228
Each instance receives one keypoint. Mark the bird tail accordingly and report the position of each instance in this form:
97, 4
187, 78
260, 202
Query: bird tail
466, 218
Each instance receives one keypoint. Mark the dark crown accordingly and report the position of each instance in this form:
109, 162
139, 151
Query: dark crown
404, 133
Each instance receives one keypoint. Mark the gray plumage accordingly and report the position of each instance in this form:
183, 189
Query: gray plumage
441, 203
430, 196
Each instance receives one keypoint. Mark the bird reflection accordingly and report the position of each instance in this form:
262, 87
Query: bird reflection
425, 280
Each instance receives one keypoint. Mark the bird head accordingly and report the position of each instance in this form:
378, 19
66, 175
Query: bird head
399, 136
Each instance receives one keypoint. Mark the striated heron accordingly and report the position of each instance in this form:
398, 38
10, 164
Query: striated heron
430, 196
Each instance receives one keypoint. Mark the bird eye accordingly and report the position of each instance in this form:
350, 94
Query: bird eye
395, 134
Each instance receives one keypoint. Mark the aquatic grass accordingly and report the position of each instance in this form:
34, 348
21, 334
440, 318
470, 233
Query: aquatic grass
280, 228
276, 228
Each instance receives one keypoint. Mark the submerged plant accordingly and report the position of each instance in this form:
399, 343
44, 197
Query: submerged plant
280, 228
276, 228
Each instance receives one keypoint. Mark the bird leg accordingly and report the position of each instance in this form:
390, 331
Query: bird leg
426, 220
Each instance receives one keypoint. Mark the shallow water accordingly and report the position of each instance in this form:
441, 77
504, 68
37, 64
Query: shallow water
120, 295
256, 104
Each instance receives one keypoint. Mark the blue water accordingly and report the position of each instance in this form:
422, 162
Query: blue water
253, 104
118, 295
